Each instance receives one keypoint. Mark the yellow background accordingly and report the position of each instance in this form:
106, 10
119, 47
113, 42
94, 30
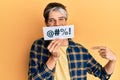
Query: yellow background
97, 22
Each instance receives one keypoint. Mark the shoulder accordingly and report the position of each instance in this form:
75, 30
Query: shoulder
77, 46
81, 47
41, 42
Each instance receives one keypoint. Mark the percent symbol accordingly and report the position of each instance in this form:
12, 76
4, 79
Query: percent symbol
64, 32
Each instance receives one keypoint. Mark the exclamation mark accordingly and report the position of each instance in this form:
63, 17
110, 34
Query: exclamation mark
69, 31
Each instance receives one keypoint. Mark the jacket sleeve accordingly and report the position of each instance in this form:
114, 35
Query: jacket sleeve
37, 69
96, 69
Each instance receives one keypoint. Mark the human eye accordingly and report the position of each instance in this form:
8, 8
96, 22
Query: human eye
51, 20
61, 19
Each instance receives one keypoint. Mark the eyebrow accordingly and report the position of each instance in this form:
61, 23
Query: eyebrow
58, 17
62, 17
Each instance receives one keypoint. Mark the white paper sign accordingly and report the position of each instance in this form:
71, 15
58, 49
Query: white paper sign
61, 32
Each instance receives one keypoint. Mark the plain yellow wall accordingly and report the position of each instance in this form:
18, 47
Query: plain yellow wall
97, 22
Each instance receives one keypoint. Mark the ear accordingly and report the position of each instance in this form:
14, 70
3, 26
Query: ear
46, 23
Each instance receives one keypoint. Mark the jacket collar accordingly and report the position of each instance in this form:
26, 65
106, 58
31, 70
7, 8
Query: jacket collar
71, 43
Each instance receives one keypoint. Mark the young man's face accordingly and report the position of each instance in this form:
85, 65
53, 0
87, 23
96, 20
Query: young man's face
56, 19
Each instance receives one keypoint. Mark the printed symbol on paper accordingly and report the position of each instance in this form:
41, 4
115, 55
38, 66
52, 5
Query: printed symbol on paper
62, 32
65, 32
69, 31
58, 32
50, 33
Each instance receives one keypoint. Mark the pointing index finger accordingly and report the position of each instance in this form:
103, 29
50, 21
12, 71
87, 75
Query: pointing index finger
98, 47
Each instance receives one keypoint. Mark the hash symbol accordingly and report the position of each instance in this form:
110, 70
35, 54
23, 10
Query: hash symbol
56, 32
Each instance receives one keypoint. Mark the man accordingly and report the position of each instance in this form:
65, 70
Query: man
63, 59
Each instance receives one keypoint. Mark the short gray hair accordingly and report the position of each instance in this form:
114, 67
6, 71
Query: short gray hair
61, 10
